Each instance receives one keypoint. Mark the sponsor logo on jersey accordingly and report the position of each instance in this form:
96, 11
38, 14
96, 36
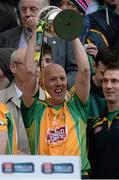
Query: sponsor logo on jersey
56, 135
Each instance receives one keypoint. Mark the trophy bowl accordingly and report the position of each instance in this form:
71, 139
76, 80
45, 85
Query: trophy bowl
48, 14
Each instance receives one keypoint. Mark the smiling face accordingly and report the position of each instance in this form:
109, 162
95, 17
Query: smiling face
111, 86
55, 82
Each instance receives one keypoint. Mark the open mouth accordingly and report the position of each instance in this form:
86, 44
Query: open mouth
58, 91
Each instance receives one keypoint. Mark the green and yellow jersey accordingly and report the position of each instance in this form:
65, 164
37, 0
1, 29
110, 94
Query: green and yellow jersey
7, 125
57, 130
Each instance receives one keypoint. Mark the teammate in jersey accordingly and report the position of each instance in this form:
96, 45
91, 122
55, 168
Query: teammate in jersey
8, 138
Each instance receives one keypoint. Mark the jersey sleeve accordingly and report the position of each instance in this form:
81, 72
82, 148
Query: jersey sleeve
31, 114
81, 107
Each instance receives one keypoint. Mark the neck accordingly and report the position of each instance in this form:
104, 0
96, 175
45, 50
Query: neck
112, 106
52, 103
18, 84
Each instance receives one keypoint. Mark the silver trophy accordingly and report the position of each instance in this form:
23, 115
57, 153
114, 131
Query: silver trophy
67, 24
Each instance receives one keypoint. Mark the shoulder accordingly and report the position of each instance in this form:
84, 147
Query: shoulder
75, 102
7, 94
11, 31
94, 122
37, 105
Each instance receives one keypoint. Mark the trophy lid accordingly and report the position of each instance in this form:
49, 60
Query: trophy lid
68, 24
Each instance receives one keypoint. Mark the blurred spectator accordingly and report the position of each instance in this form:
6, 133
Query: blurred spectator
100, 24
98, 105
6, 77
114, 42
80, 5
66, 4
46, 60
10, 95
8, 16
92, 6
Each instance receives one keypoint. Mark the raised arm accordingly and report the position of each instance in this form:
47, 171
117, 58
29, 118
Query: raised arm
82, 83
30, 83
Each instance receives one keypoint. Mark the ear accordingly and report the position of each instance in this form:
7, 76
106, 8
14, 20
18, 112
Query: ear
12, 67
